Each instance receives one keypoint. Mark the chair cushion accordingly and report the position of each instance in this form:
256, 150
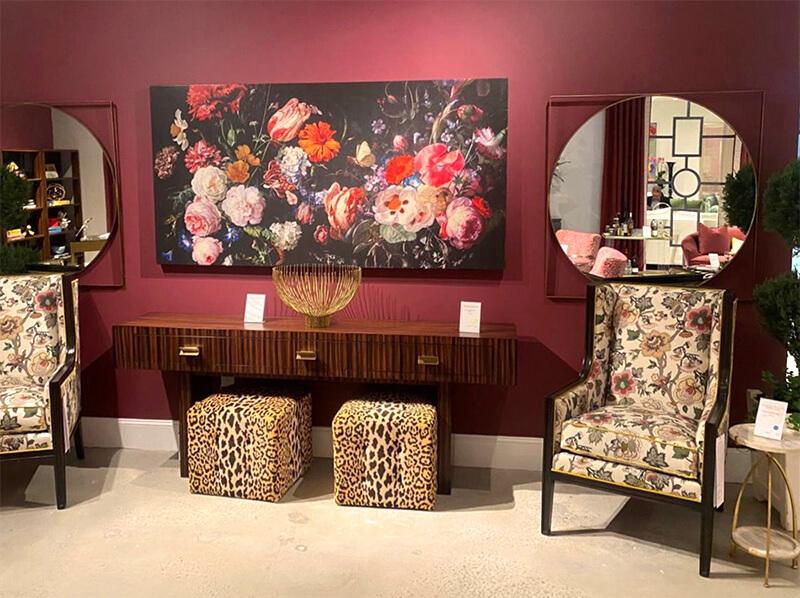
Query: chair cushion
23, 407
635, 436
628, 476
660, 358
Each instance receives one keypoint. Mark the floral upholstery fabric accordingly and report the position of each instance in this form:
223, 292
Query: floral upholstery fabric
627, 476
632, 435
29, 441
661, 354
591, 393
23, 408
32, 336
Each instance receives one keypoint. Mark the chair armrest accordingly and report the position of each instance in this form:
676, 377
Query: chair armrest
64, 391
566, 403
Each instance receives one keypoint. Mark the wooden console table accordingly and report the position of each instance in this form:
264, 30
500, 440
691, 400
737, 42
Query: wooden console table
202, 348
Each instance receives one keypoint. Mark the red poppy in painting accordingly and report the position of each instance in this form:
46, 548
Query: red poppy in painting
399, 168
206, 101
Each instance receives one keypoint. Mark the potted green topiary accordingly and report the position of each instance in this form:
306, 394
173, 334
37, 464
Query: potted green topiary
739, 195
778, 303
14, 192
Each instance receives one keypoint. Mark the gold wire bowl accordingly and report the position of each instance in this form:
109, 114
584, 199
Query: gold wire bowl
316, 290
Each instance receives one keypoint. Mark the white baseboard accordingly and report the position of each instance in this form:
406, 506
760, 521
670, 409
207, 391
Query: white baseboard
469, 450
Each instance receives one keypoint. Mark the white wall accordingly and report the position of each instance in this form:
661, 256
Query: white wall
68, 133
577, 199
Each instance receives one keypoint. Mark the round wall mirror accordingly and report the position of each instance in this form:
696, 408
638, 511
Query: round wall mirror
72, 204
640, 190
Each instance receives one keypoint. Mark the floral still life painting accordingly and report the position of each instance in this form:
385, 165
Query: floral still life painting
402, 174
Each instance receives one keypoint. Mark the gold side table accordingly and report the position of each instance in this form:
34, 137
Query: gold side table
765, 542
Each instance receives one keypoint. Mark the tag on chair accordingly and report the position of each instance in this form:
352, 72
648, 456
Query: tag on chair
719, 477
713, 260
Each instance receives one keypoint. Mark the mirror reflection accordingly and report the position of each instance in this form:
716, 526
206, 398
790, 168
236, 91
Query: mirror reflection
652, 186
69, 209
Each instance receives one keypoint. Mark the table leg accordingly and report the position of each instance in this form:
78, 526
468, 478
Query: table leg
769, 521
444, 447
184, 402
191, 388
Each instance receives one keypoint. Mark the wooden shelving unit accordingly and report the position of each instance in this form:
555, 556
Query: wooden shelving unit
32, 162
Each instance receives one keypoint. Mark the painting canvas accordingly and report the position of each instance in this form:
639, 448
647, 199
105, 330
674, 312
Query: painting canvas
400, 174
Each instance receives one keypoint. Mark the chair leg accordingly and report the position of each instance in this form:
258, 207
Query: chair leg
548, 488
60, 470
77, 438
706, 539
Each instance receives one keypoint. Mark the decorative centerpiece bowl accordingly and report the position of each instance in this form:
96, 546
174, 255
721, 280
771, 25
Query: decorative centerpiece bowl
316, 290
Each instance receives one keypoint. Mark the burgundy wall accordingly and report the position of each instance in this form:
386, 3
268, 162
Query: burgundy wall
118, 50
26, 127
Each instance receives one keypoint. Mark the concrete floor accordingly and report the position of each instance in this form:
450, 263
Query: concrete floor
133, 529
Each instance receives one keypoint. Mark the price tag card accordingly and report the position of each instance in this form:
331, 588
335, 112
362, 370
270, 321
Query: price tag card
770, 418
254, 308
719, 482
470, 320
713, 260
647, 232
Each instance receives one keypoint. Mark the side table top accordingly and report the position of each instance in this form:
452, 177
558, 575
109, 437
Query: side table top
742, 434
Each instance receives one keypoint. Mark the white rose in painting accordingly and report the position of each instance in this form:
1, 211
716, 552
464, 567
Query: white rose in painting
209, 182
293, 162
285, 235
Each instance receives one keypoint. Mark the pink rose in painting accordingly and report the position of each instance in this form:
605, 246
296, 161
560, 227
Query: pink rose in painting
437, 166
488, 143
287, 121
461, 224
321, 234
342, 204
201, 217
243, 205
205, 250
400, 143
304, 213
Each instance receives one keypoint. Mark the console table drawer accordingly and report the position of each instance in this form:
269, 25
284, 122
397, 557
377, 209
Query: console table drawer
184, 352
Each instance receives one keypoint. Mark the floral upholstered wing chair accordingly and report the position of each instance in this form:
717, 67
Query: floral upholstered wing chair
40, 371
652, 399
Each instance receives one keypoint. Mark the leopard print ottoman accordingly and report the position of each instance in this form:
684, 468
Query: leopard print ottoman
384, 452
249, 445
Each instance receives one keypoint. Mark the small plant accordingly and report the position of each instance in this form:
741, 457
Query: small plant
778, 299
782, 205
14, 193
14, 259
739, 196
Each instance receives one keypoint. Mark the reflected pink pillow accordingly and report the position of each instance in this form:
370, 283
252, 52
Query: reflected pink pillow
714, 240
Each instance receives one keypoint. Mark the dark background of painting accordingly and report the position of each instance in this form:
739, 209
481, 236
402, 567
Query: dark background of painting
118, 50
350, 109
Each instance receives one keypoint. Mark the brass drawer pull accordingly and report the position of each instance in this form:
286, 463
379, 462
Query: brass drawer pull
305, 355
427, 360
189, 351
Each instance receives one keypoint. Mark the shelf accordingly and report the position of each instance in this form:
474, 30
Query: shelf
61, 232
61, 178
25, 238
64, 205
33, 209
753, 540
